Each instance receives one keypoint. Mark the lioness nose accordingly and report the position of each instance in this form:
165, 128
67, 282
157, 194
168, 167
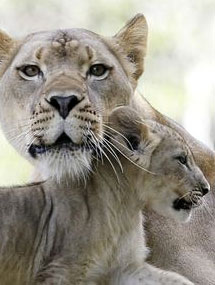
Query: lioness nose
64, 104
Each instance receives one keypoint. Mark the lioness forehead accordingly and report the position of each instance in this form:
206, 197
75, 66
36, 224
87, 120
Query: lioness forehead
67, 34
67, 38
82, 46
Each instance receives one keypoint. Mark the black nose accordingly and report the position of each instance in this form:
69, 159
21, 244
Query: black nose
64, 104
205, 189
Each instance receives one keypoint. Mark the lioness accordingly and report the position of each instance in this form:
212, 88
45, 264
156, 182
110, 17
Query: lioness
44, 78
59, 84
77, 233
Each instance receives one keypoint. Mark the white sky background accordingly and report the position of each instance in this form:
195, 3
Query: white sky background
180, 65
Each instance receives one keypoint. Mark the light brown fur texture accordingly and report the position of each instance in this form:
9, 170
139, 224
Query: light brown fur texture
77, 233
64, 60
182, 248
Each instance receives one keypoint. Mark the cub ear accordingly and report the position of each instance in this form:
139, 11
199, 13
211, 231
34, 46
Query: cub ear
132, 135
125, 127
6, 46
132, 38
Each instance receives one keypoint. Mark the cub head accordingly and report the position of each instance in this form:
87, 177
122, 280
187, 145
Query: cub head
57, 88
167, 178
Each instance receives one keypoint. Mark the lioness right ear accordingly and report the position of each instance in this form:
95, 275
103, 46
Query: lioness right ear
132, 38
6, 46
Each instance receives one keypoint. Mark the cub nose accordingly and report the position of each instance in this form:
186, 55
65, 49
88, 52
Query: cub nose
64, 104
205, 188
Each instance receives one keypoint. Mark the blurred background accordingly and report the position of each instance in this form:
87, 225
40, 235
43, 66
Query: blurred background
179, 68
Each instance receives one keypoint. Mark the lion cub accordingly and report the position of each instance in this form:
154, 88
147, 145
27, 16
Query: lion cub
90, 232
172, 183
158, 171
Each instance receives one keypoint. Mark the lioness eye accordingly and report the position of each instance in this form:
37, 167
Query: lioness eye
182, 159
98, 70
30, 70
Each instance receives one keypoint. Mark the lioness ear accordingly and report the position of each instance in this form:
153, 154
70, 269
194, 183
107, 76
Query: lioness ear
132, 38
6, 46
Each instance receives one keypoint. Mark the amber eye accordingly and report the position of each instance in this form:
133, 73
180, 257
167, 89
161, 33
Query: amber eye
98, 70
30, 70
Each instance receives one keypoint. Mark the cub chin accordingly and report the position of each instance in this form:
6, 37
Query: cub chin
173, 184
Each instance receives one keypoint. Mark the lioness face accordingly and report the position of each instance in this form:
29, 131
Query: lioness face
173, 184
58, 87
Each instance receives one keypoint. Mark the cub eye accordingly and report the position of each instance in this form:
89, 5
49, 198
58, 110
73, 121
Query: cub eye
30, 70
182, 159
98, 70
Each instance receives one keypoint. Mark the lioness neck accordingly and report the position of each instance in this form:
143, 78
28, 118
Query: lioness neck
112, 226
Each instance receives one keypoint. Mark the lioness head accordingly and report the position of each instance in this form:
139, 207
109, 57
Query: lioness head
173, 184
57, 87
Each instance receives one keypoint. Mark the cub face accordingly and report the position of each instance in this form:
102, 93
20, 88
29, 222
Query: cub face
57, 88
169, 182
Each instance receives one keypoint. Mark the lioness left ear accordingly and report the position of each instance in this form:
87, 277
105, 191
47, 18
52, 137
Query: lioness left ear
6, 46
132, 38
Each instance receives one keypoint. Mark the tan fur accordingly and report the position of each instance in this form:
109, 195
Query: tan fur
134, 43
184, 248
92, 233
21, 99
160, 146
64, 58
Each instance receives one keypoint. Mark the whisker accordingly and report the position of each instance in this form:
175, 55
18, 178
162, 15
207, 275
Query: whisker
112, 152
23, 134
185, 195
96, 142
105, 144
117, 132
108, 159
130, 159
112, 138
32, 140
207, 208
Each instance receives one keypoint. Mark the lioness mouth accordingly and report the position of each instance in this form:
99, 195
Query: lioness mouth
63, 142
